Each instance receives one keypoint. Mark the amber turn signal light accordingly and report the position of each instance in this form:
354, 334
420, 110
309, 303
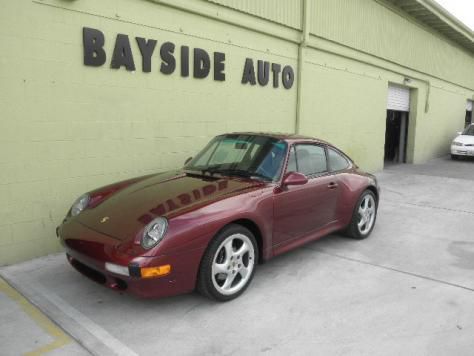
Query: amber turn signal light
151, 272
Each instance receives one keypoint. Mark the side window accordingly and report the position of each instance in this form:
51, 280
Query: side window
311, 159
337, 162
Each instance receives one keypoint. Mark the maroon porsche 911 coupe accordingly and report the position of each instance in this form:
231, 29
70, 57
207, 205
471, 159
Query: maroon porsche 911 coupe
245, 198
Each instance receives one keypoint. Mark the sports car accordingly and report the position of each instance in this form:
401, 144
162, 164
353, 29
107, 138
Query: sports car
242, 200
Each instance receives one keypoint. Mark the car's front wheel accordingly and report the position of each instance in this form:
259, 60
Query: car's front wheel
364, 216
228, 265
454, 157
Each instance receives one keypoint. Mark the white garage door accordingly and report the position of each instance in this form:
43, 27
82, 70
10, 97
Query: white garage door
398, 98
469, 105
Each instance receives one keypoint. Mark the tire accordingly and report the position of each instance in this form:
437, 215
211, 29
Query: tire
368, 201
454, 157
225, 273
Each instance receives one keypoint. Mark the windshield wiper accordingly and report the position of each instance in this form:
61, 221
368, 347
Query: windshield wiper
197, 173
211, 169
242, 173
204, 172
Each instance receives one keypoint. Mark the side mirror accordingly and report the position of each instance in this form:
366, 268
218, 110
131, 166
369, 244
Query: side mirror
187, 160
459, 133
294, 178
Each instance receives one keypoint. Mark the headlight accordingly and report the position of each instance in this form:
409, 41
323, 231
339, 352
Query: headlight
457, 143
80, 204
154, 232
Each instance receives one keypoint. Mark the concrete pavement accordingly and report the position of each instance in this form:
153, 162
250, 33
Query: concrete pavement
408, 289
24, 329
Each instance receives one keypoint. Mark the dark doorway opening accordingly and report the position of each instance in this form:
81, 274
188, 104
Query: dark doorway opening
396, 134
468, 119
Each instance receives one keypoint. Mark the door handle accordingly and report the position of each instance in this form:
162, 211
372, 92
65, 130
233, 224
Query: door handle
332, 185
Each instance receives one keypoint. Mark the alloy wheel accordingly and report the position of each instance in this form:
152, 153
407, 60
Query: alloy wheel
233, 264
367, 209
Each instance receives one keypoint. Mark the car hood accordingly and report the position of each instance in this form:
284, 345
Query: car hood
465, 139
124, 214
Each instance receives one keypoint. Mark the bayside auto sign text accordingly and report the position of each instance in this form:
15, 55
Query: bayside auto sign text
122, 56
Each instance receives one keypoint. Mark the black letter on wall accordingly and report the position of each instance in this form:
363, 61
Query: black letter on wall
122, 53
93, 40
249, 72
184, 61
169, 62
288, 77
146, 49
263, 72
219, 59
202, 63
276, 68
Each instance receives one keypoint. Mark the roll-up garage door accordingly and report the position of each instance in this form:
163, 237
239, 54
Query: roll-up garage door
469, 105
398, 98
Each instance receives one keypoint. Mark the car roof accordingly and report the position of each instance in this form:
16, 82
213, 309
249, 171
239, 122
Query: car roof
281, 136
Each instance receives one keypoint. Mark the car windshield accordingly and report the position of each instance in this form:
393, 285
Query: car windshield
469, 131
241, 155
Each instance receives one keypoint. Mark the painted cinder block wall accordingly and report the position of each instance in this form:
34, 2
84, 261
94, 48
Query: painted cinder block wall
67, 128
359, 47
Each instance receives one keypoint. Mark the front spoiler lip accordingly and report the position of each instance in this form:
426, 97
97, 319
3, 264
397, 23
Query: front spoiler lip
98, 275
181, 279
132, 265
133, 284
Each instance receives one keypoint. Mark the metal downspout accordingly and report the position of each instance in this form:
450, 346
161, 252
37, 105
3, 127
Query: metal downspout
305, 16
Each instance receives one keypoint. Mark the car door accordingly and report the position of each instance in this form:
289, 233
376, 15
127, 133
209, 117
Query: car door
304, 209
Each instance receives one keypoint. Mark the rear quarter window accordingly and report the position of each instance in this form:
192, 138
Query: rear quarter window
337, 162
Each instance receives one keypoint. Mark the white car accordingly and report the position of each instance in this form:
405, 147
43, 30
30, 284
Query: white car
463, 144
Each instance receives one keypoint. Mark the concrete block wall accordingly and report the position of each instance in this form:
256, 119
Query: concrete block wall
346, 104
345, 98
67, 128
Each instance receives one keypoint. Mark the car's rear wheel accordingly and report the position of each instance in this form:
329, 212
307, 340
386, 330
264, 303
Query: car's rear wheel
228, 265
364, 216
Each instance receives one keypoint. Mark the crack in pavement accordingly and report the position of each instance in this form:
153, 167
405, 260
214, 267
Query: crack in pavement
394, 202
392, 269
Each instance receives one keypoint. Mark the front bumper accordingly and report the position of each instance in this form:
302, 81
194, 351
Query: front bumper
462, 150
89, 256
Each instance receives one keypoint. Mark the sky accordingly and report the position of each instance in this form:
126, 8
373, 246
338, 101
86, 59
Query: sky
462, 9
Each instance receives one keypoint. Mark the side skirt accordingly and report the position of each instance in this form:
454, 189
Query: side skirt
302, 240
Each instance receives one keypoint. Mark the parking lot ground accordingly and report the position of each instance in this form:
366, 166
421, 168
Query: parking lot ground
24, 329
407, 289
